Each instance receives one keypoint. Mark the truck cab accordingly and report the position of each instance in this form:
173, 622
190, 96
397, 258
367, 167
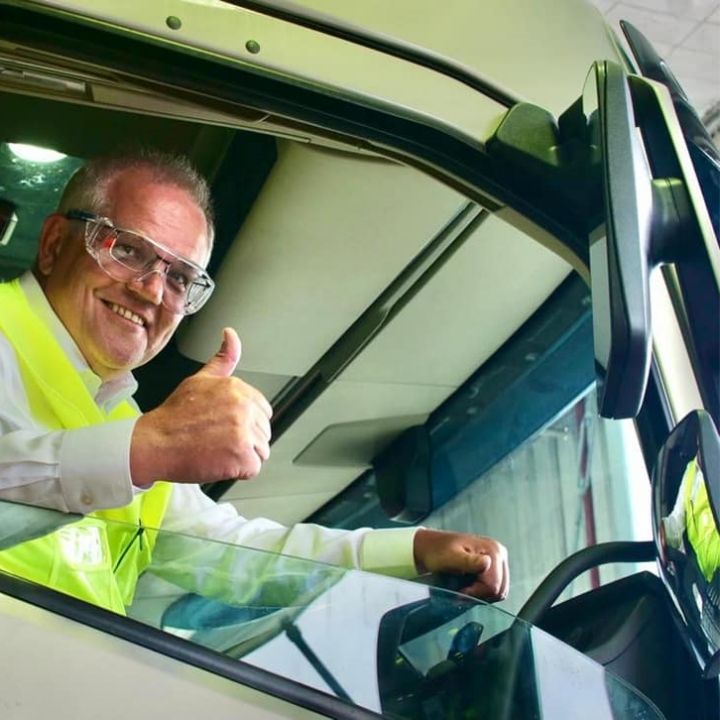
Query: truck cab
478, 282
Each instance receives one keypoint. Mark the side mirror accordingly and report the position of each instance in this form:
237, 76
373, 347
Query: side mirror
653, 216
619, 262
686, 523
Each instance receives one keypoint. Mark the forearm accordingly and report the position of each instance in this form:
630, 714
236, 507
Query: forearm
191, 512
205, 567
68, 470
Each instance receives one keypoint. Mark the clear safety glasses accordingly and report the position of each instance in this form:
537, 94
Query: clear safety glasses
126, 255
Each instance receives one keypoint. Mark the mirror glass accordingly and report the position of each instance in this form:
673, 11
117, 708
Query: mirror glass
686, 501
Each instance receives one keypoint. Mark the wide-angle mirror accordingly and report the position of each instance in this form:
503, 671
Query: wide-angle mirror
686, 513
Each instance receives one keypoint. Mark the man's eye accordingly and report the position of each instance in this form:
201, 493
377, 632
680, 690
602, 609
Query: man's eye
179, 279
124, 251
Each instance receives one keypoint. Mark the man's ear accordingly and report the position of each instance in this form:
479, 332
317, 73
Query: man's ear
52, 239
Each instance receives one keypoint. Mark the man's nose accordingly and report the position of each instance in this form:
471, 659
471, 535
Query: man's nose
150, 286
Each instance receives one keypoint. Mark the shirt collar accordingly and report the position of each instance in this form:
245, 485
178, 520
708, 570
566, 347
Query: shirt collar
106, 394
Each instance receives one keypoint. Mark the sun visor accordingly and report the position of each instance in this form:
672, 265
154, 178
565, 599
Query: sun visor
328, 233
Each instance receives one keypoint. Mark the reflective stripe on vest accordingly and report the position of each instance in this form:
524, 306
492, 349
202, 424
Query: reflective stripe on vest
90, 559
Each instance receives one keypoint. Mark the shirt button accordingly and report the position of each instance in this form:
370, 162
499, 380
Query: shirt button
86, 497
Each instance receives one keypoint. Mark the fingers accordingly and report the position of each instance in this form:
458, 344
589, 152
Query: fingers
253, 402
483, 564
255, 432
461, 553
493, 580
263, 428
262, 449
505, 588
263, 404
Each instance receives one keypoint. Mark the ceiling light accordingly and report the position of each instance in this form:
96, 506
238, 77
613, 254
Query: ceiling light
33, 153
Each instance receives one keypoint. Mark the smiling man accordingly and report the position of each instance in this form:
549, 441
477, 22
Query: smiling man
113, 328
120, 263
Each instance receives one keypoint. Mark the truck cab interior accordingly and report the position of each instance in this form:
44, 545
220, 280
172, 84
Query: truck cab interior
436, 352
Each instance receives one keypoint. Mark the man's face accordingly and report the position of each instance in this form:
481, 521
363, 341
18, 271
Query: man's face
94, 307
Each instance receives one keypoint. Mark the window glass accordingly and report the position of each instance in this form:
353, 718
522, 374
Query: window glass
387, 645
578, 482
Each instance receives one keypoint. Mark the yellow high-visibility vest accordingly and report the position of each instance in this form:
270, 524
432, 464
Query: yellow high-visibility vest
702, 533
92, 559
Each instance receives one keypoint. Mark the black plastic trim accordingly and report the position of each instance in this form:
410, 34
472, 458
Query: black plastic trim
656, 68
701, 302
654, 421
679, 237
180, 649
620, 267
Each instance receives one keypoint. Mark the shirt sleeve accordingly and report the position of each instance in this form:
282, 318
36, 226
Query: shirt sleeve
389, 552
69, 470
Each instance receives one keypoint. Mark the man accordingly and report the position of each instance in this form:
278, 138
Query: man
119, 265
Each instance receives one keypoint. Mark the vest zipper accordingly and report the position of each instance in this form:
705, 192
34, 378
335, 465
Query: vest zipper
138, 535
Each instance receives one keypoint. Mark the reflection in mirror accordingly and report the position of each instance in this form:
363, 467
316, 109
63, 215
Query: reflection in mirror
686, 501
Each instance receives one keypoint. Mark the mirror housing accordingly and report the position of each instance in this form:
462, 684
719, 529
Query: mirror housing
651, 218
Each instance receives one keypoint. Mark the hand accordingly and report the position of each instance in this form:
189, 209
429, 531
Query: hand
461, 553
212, 427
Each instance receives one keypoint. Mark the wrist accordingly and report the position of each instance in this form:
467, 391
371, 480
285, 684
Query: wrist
147, 455
422, 544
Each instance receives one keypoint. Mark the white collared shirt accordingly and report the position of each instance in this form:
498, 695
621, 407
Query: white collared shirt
61, 469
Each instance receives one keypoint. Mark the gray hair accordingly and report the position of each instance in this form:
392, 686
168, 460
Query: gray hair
88, 188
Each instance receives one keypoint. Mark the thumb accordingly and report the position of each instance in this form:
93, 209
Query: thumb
224, 361
479, 564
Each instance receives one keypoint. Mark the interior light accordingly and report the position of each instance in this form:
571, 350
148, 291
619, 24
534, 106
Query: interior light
33, 153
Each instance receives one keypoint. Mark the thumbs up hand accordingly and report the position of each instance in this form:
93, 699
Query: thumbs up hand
212, 427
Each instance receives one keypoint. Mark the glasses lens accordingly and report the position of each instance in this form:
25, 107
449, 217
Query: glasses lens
132, 251
99, 241
198, 294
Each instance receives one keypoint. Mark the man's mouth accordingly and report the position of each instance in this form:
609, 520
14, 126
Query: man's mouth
126, 313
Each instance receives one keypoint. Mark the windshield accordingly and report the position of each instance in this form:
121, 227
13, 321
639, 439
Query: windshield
394, 647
